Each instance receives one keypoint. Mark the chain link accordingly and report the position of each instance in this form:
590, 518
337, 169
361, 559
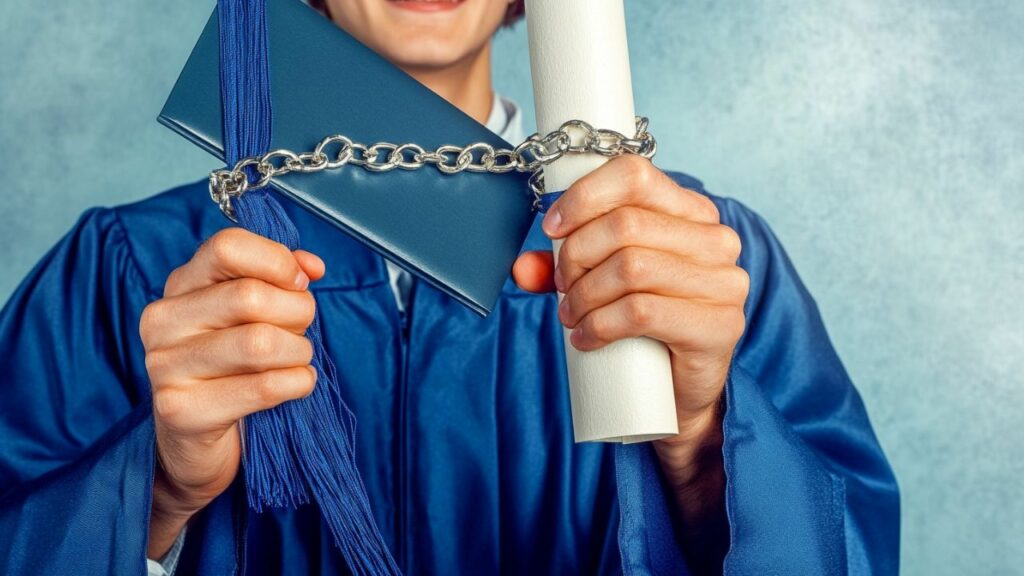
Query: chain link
336, 151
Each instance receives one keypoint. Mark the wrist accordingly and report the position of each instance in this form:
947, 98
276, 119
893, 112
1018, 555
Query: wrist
164, 529
685, 456
168, 516
172, 501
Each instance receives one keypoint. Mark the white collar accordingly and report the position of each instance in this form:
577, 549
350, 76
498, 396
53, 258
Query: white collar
506, 119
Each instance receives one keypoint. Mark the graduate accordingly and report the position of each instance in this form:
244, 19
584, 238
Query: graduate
131, 352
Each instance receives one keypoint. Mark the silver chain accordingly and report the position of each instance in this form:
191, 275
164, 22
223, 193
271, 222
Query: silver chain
335, 151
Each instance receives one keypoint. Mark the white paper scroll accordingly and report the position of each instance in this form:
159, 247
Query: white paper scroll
580, 66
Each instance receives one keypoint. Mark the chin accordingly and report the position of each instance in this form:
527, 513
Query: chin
420, 33
427, 51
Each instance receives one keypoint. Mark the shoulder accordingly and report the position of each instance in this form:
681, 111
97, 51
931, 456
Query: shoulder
180, 213
751, 227
763, 256
163, 231
120, 253
130, 244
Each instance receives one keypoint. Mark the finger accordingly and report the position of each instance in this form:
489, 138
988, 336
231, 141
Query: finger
238, 350
533, 271
221, 402
223, 305
674, 321
653, 271
237, 253
598, 239
311, 264
626, 180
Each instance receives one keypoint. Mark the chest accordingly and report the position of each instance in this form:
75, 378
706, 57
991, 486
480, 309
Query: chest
464, 430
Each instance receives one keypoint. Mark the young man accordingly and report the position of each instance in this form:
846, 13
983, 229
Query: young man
130, 357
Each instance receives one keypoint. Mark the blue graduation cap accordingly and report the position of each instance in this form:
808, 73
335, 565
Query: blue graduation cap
461, 232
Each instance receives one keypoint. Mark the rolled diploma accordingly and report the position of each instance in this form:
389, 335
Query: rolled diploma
580, 66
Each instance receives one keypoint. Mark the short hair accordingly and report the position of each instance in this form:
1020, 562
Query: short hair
513, 13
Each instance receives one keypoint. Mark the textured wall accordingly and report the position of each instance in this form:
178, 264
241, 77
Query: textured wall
883, 141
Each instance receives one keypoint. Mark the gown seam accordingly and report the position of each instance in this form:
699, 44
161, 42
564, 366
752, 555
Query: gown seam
404, 499
354, 288
130, 249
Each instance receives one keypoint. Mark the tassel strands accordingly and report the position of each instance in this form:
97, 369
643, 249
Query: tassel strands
304, 450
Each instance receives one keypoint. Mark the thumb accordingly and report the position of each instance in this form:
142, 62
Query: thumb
311, 264
534, 271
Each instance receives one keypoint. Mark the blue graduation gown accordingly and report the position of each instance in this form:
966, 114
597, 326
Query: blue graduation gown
464, 439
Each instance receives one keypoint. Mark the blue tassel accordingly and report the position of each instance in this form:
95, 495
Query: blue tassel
303, 450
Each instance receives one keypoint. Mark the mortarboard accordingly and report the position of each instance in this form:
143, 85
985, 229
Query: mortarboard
460, 232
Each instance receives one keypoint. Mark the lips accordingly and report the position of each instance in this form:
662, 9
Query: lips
426, 1
426, 5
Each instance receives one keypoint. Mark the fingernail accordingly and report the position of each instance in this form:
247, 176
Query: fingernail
576, 336
552, 221
301, 281
563, 310
559, 281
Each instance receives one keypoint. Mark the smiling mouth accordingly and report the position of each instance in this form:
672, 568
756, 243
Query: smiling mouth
426, 5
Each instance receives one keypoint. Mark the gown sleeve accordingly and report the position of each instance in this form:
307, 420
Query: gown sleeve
76, 430
808, 489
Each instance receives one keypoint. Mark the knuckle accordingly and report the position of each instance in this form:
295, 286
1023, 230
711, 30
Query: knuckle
169, 405
259, 340
742, 281
639, 311
156, 362
736, 323
735, 244
625, 224
598, 327
223, 245
249, 294
728, 241
174, 280
707, 208
265, 387
639, 170
281, 256
632, 265
151, 321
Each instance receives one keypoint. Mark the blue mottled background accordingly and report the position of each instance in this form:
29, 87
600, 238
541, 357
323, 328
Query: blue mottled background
883, 140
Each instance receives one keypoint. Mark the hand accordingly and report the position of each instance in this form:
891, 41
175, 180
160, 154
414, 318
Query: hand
642, 256
226, 340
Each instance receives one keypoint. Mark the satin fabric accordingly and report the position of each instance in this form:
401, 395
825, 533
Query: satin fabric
464, 438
